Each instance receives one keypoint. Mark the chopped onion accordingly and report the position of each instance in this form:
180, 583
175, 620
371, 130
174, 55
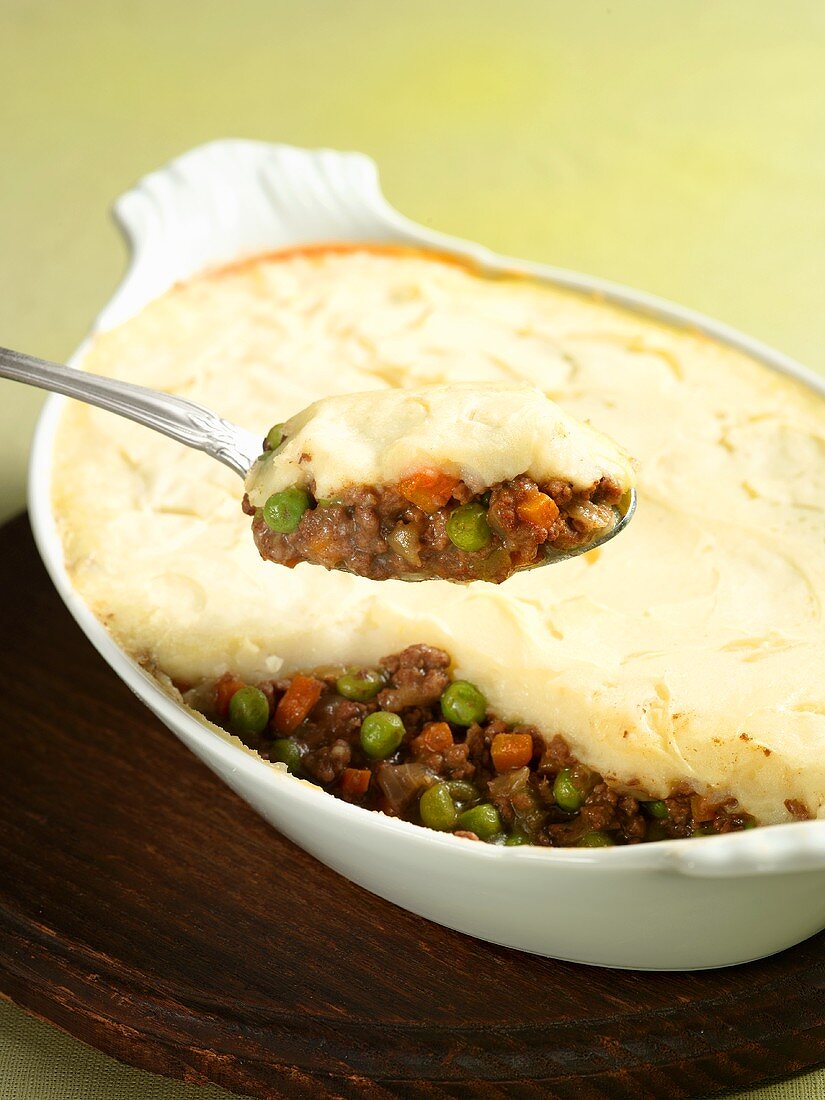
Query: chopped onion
513, 790
405, 542
702, 809
590, 516
402, 782
507, 784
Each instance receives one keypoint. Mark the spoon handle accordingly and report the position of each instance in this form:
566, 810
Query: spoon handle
176, 417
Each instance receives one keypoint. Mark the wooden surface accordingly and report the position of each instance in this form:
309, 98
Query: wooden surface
149, 912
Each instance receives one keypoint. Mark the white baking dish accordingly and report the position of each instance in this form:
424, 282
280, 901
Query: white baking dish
668, 905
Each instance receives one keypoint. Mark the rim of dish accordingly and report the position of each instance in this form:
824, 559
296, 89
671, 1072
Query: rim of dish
785, 847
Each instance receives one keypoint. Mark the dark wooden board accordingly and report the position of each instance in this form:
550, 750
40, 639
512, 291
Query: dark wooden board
148, 911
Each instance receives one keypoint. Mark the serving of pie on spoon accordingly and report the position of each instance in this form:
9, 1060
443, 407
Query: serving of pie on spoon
458, 482
464, 482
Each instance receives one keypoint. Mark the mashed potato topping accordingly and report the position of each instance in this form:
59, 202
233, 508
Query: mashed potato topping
482, 433
691, 648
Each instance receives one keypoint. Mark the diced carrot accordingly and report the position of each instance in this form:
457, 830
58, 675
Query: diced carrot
437, 736
429, 489
511, 750
355, 782
538, 509
225, 688
300, 697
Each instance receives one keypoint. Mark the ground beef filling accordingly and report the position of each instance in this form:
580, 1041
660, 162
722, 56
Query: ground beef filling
432, 525
408, 739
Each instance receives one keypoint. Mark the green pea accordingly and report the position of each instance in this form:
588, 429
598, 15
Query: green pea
286, 751
462, 703
248, 710
274, 437
750, 823
516, 839
483, 820
437, 808
462, 791
596, 839
467, 527
656, 830
657, 809
360, 686
381, 734
283, 511
567, 795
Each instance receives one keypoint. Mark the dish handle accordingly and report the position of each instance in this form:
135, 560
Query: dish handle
770, 850
228, 199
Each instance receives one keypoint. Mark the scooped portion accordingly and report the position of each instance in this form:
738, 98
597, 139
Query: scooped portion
406, 738
460, 482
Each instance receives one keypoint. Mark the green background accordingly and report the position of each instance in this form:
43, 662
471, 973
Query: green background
675, 145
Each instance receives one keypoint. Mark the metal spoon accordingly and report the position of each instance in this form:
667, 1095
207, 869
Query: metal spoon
200, 428
176, 417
